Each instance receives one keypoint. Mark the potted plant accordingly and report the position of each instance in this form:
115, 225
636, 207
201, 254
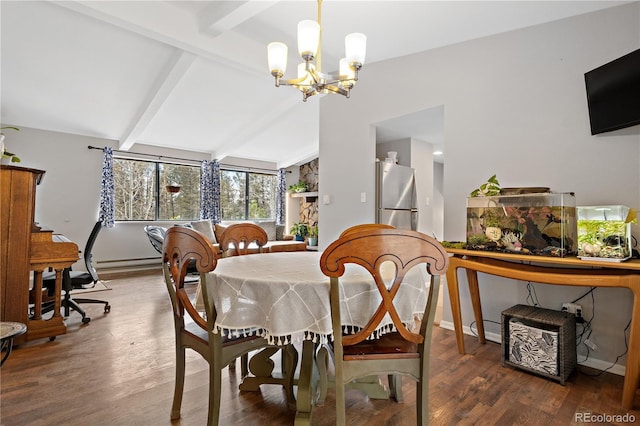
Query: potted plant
298, 187
300, 231
488, 189
6, 155
313, 236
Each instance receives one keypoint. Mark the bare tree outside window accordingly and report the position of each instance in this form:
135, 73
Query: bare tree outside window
246, 195
139, 184
232, 194
262, 196
179, 192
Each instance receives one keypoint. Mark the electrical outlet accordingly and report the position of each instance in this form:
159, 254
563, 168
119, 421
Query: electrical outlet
572, 308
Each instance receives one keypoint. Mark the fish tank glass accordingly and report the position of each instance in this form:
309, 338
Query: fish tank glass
604, 233
540, 224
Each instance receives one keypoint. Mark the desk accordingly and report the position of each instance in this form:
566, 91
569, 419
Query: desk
286, 296
549, 270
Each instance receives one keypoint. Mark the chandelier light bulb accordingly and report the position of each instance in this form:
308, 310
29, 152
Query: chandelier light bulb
308, 39
277, 57
355, 45
347, 74
304, 75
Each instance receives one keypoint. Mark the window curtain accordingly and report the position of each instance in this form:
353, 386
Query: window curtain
107, 192
210, 191
281, 193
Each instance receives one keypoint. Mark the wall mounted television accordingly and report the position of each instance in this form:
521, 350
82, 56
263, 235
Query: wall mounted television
613, 94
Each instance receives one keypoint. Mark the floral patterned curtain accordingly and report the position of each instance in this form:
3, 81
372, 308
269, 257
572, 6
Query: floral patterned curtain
107, 193
281, 194
210, 191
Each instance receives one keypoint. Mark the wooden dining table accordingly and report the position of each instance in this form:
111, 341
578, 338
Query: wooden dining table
566, 271
285, 296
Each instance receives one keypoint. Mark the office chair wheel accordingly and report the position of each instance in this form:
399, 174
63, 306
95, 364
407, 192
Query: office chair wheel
107, 309
85, 320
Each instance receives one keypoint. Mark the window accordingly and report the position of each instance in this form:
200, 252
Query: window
246, 195
146, 190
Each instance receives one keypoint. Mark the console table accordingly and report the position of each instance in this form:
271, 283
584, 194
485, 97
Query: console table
548, 270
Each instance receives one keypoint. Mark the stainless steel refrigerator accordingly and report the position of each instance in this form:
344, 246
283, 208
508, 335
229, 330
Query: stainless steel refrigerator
396, 202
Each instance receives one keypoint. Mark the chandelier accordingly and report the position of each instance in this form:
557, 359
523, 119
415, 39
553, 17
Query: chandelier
311, 80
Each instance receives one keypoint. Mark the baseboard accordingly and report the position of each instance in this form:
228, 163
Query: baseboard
123, 272
598, 364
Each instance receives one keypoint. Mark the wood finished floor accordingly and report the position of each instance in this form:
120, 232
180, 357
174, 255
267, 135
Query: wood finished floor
118, 370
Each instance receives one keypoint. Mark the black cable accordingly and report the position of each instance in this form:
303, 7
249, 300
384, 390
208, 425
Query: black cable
532, 297
626, 346
473, 322
586, 326
584, 295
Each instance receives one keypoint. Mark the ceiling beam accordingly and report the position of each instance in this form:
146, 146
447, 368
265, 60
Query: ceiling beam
221, 17
174, 27
166, 82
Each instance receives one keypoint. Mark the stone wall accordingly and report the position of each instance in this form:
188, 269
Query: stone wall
309, 210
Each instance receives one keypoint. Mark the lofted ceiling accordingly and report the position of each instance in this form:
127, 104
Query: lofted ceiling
192, 75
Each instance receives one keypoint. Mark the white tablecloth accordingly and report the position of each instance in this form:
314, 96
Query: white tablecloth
286, 296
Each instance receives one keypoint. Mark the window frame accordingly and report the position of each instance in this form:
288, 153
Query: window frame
156, 196
246, 191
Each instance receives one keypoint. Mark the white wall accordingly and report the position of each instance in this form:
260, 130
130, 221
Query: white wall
437, 204
515, 106
422, 162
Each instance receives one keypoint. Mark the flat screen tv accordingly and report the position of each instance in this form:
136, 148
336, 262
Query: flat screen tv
613, 94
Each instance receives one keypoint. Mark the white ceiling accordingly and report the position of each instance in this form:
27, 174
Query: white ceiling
192, 74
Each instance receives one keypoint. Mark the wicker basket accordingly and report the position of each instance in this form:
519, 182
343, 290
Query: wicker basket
541, 341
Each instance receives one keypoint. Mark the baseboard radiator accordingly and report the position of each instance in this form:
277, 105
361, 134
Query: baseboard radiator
125, 265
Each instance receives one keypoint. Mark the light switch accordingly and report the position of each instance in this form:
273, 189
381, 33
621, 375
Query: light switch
363, 197
427, 201
326, 199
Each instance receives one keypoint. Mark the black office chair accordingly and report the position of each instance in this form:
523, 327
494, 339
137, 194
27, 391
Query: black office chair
76, 280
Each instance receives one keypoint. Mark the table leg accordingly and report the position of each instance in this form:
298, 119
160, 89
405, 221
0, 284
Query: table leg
261, 367
306, 382
632, 373
474, 292
58, 293
454, 299
37, 295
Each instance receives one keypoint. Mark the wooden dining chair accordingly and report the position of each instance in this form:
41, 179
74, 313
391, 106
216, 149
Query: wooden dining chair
236, 239
395, 380
368, 352
365, 227
181, 245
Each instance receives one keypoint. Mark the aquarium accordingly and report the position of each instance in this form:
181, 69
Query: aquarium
542, 224
604, 233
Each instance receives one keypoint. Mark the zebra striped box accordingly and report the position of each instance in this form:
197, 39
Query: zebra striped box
541, 341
